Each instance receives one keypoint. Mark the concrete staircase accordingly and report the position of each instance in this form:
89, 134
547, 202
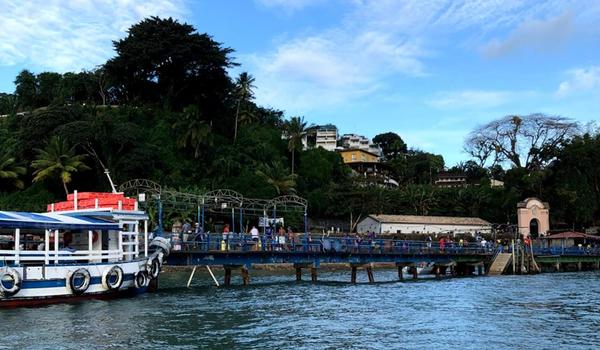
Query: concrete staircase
500, 263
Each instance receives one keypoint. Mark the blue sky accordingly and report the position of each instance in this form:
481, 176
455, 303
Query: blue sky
430, 71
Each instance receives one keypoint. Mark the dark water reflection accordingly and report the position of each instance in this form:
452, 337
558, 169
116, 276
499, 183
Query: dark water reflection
547, 311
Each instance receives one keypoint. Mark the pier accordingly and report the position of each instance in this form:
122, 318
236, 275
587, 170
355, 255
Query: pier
240, 252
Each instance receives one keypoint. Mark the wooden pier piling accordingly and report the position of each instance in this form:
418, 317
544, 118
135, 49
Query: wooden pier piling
245, 276
400, 274
313, 274
415, 273
369, 269
298, 274
227, 281
353, 274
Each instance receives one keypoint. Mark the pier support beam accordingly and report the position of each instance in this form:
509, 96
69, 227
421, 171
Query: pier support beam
579, 266
313, 274
298, 274
413, 270
400, 275
227, 276
557, 266
245, 276
353, 274
369, 269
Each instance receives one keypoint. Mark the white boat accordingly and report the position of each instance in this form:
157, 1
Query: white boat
422, 269
95, 245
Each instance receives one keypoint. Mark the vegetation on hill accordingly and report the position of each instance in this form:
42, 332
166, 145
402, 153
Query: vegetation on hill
165, 108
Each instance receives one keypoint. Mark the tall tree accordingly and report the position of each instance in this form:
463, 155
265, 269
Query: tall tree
276, 176
26, 90
528, 142
10, 172
58, 161
193, 131
295, 128
167, 61
244, 94
391, 144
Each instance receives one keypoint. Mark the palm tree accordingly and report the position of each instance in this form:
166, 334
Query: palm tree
295, 128
244, 93
10, 171
195, 132
276, 176
58, 160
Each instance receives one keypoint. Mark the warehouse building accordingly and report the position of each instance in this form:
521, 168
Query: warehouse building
393, 224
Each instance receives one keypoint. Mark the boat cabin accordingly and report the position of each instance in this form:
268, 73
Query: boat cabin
101, 229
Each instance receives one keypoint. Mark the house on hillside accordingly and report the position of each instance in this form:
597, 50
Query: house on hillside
366, 164
394, 224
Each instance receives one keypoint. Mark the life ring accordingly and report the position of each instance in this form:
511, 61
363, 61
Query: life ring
153, 267
73, 281
107, 278
141, 280
14, 282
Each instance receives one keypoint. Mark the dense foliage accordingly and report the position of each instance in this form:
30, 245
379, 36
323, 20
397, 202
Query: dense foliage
166, 109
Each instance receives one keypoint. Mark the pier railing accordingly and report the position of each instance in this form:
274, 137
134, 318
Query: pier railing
234, 242
322, 244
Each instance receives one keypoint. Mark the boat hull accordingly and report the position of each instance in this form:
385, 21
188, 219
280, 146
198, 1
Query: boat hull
49, 284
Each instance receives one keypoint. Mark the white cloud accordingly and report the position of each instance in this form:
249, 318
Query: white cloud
579, 79
288, 6
331, 68
477, 98
70, 35
542, 35
378, 41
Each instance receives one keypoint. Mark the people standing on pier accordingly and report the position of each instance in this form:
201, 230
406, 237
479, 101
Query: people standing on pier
291, 238
442, 244
226, 236
269, 237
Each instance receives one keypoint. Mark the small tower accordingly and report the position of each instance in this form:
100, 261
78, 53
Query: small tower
533, 217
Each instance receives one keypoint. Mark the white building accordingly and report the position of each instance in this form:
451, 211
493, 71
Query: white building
393, 224
354, 141
324, 136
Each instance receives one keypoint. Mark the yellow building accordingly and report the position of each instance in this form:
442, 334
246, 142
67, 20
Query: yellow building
358, 156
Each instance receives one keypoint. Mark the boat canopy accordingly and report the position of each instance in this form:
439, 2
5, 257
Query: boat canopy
53, 221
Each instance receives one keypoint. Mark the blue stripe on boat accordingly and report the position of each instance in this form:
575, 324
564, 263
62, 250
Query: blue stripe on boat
33, 284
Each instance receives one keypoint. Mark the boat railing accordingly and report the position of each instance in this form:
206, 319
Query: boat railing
61, 256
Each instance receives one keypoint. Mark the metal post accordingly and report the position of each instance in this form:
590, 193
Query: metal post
241, 220
198, 217
17, 245
202, 222
159, 229
232, 220
46, 246
264, 221
56, 246
305, 223
145, 238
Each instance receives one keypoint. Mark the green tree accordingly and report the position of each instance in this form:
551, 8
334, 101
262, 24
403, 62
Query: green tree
391, 145
193, 131
295, 128
26, 90
10, 172
244, 94
58, 161
277, 177
167, 61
